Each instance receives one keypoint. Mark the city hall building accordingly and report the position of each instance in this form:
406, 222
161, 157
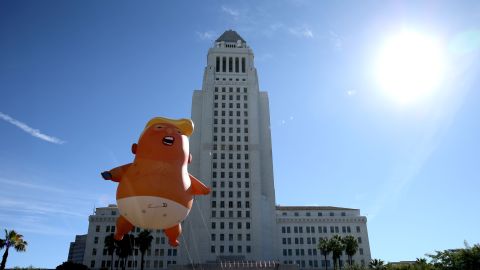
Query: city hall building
238, 225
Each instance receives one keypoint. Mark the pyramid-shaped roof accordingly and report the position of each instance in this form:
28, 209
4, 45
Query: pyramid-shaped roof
230, 36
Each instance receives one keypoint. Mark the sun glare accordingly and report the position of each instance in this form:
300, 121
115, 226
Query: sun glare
409, 67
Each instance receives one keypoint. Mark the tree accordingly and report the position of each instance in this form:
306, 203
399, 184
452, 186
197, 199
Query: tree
110, 245
12, 239
337, 247
351, 247
324, 247
376, 264
125, 248
143, 241
71, 266
467, 258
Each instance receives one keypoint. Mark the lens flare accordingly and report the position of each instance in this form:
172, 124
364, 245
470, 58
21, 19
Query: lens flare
410, 67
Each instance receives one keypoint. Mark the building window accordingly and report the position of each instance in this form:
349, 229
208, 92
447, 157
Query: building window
230, 64
358, 229
237, 65
243, 64
97, 228
224, 64
217, 64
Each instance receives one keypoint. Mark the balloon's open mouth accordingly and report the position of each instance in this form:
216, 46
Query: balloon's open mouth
168, 140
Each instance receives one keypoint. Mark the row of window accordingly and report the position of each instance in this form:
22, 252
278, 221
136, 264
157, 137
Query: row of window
231, 62
230, 121
230, 97
299, 240
109, 228
230, 184
309, 241
230, 90
230, 113
222, 237
230, 138
299, 252
230, 147
230, 165
230, 130
230, 175
311, 229
230, 79
230, 204
221, 225
231, 105
230, 214
230, 194
213, 249
320, 214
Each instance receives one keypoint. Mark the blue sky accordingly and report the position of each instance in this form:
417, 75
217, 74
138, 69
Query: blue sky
79, 79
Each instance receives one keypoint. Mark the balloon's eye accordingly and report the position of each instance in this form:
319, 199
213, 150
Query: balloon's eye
158, 127
179, 132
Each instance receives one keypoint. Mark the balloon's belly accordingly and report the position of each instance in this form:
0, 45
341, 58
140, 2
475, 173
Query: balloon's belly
150, 212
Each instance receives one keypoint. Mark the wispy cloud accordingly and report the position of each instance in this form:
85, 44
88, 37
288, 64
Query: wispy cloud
230, 11
42, 208
302, 31
207, 35
30, 130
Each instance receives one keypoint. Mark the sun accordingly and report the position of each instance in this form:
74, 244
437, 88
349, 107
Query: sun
409, 67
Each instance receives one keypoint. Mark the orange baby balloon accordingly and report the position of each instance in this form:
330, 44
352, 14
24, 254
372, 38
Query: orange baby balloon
156, 191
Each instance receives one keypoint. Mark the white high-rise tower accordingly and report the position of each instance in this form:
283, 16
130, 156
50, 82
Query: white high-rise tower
232, 153
238, 221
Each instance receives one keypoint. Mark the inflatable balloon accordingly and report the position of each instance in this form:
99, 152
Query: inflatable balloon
156, 191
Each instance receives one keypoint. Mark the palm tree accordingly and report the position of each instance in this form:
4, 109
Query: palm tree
324, 247
337, 247
110, 245
125, 248
12, 239
143, 241
351, 247
376, 264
